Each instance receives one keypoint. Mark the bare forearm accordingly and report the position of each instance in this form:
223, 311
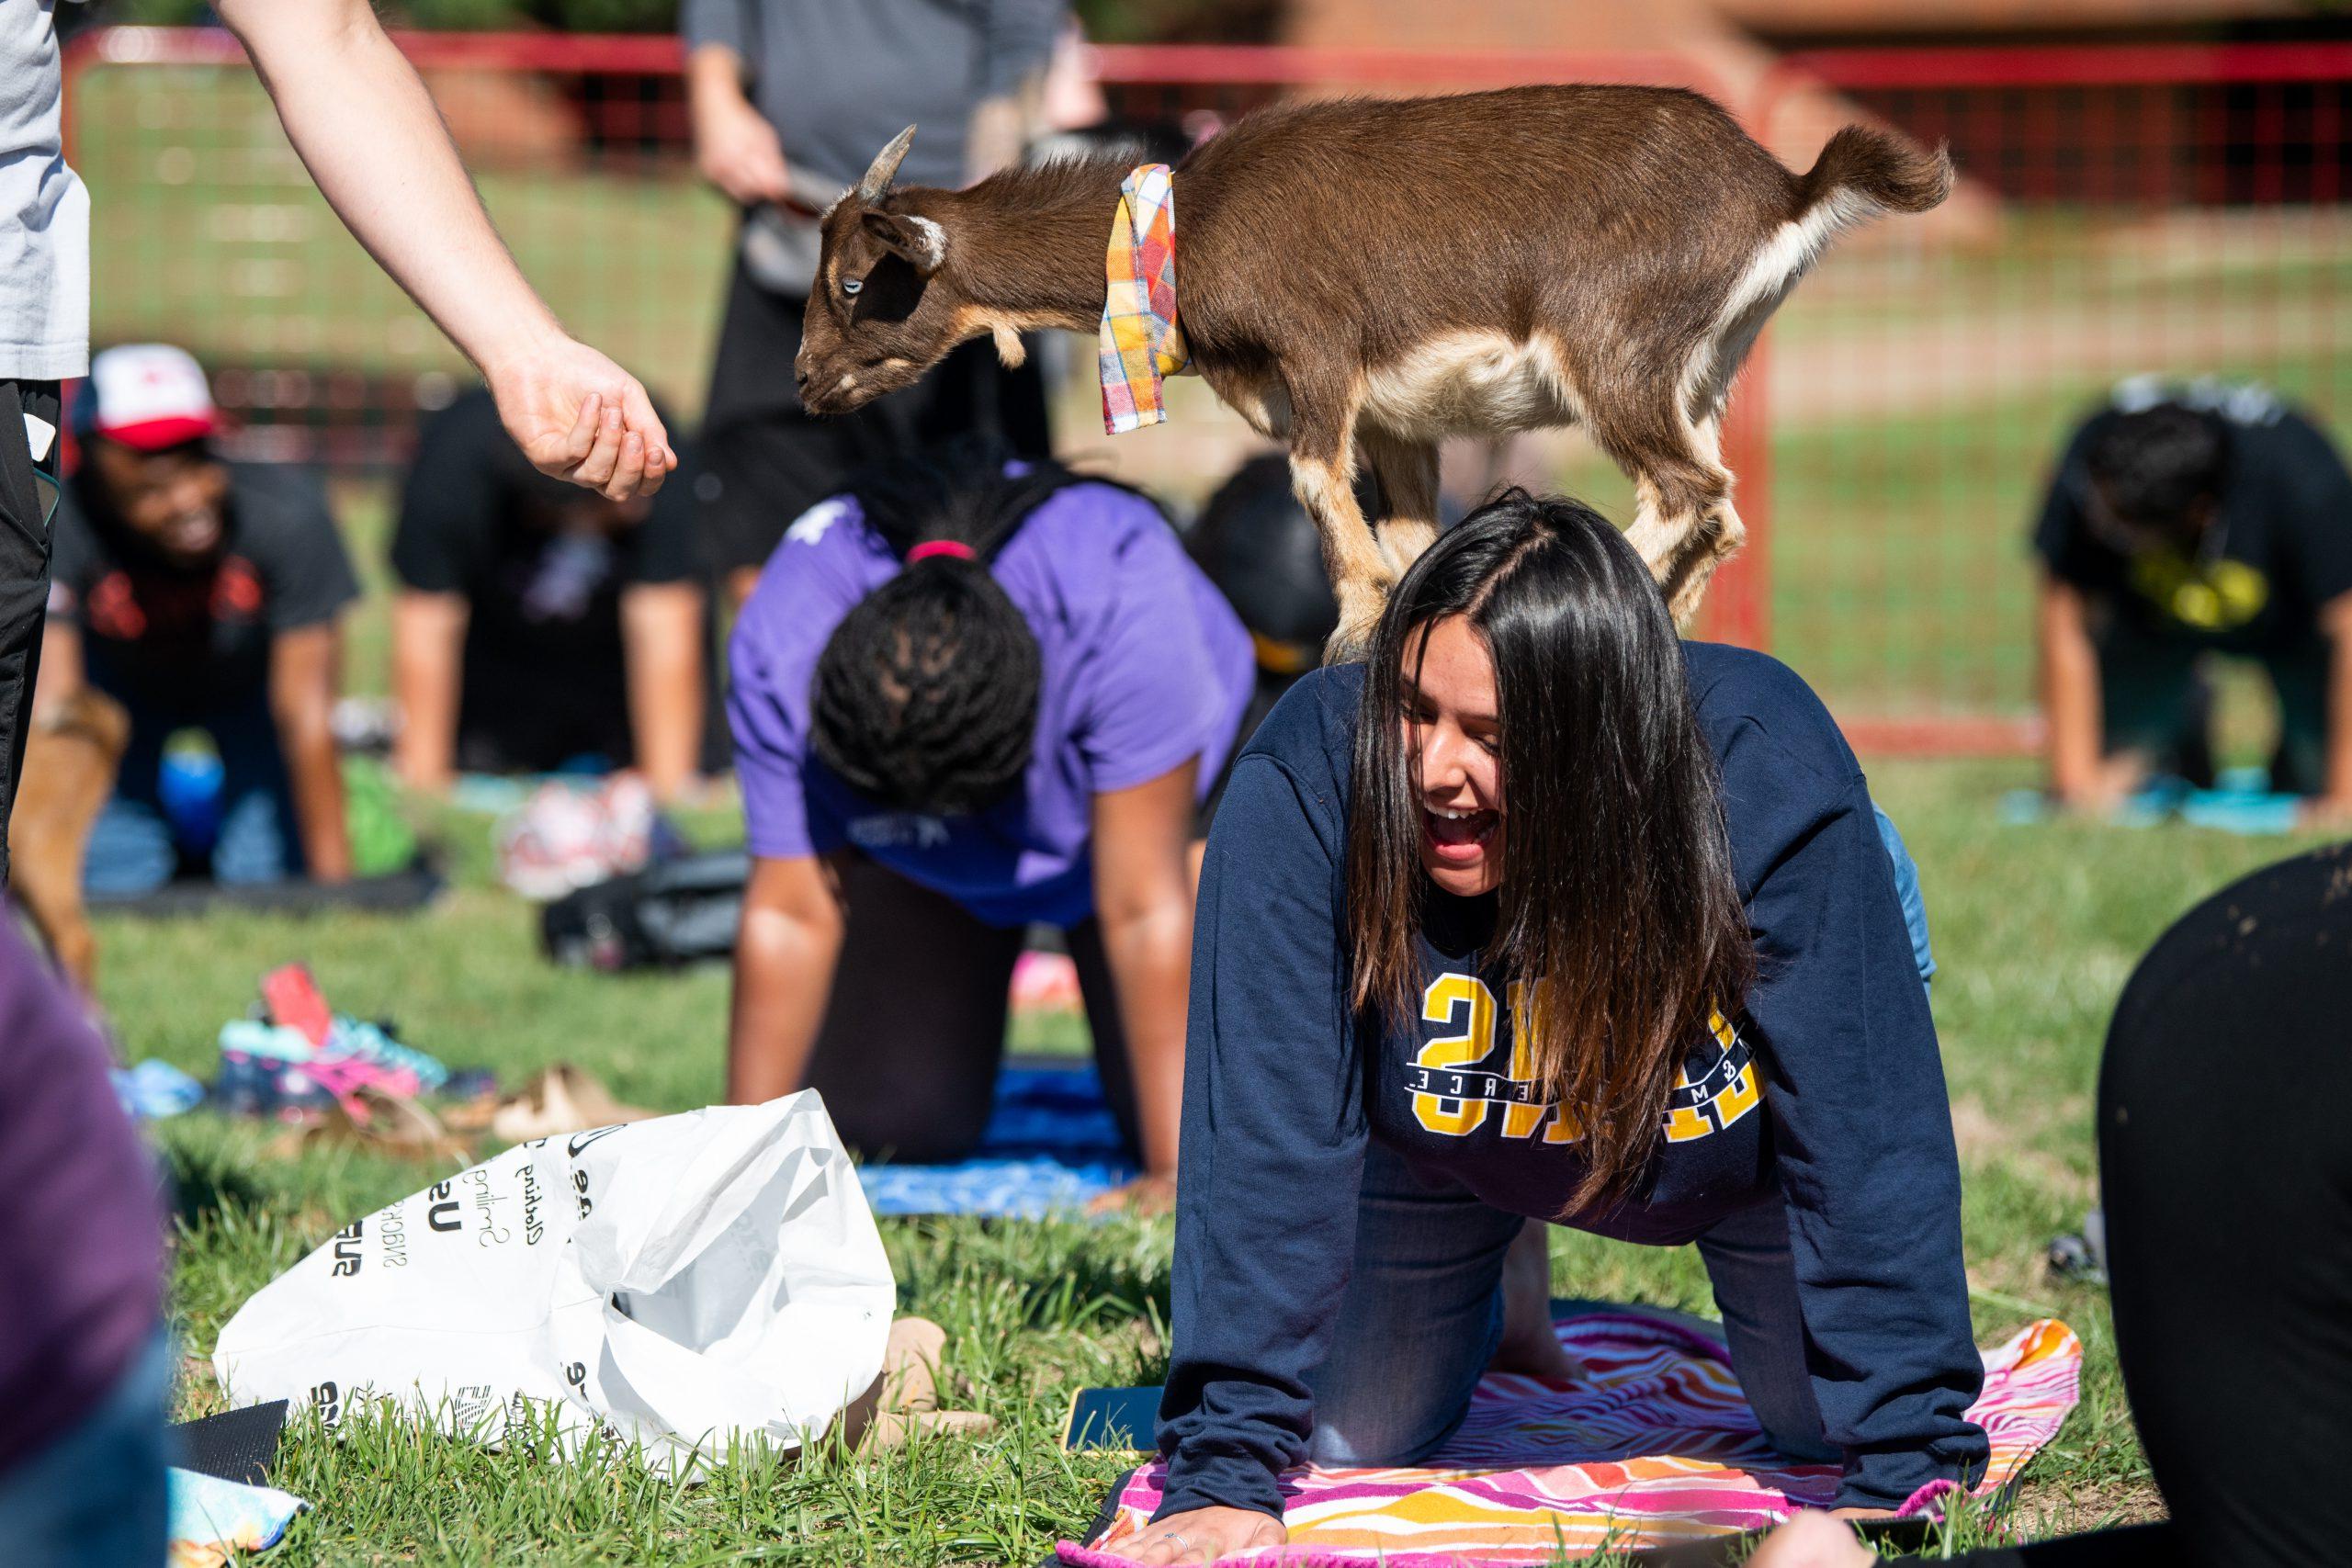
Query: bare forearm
371, 138
2070, 697
428, 640
784, 977
62, 673
667, 729
713, 80
316, 774
661, 628
1150, 955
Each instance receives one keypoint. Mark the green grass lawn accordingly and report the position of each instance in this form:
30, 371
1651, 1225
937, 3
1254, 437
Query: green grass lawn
2036, 930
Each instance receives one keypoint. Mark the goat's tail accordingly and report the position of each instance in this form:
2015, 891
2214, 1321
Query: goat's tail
1864, 171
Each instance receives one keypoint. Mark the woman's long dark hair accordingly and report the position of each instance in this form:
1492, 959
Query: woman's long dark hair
925, 697
1617, 909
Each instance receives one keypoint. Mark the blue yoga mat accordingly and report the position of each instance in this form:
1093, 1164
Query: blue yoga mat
1051, 1147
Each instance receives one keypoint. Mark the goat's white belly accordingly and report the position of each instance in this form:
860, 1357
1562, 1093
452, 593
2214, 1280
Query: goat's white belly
1470, 384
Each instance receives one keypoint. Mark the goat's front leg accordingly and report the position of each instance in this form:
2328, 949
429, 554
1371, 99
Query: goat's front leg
1323, 474
1407, 472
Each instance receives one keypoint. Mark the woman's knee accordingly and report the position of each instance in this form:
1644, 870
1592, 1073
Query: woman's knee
908, 1126
1395, 1408
1422, 1317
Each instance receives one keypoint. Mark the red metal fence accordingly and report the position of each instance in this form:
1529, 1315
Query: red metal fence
2169, 211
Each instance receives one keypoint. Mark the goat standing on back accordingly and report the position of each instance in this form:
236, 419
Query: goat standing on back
1364, 278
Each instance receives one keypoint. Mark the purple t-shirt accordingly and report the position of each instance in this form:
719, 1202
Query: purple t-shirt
1144, 666
80, 1228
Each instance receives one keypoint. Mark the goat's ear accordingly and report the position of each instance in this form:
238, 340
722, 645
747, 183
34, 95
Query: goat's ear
921, 241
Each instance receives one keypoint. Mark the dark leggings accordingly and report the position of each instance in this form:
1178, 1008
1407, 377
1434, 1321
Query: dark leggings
2225, 1160
907, 1056
27, 488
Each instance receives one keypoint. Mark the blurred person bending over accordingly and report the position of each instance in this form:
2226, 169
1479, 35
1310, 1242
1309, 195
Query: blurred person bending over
86, 1369
202, 595
538, 624
2185, 522
369, 133
790, 101
2228, 1237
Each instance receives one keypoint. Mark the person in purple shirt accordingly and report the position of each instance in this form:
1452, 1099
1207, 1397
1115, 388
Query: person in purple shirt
969, 695
85, 1368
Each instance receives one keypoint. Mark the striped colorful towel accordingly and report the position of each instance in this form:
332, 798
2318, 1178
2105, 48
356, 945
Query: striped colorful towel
1655, 1445
1139, 342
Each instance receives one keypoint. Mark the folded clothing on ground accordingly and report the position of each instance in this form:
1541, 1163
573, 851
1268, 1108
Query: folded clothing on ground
1653, 1445
1051, 1146
215, 1522
303, 1056
154, 1089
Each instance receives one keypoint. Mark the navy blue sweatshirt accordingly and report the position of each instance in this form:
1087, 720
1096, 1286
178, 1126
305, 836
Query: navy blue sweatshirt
1829, 1089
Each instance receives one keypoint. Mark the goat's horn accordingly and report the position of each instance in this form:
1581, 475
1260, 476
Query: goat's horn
885, 166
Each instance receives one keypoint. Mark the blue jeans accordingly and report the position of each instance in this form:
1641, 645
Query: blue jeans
134, 847
1424, 1312
98, 1495
1906, 889
1424, 1307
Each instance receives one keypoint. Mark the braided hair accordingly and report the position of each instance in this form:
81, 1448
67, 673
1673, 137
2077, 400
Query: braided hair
925, 697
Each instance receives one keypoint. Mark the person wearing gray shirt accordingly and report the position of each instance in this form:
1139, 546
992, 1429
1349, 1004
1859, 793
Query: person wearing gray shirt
789, 101
44, 338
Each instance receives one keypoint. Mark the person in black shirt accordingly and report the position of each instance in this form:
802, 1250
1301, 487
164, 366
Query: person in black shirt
2228, 1237
200, 594
1540, 914
2183, 522
538, 623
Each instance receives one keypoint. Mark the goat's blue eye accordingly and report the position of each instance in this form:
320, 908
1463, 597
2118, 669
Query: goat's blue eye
852, 285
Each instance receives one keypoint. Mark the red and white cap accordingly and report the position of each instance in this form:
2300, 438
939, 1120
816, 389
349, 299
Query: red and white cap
147, 395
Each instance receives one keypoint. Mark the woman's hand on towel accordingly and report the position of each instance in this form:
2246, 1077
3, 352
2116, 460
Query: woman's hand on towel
1202, 1536
1148, 1194
1811, 1539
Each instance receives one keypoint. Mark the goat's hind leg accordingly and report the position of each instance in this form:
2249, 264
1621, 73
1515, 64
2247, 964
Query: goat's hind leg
1684, 525
1407, 471
1718, 538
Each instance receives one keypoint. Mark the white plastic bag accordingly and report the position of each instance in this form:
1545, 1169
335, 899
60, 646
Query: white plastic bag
673, 1282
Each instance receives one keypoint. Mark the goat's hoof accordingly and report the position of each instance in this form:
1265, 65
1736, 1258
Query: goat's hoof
1359, 609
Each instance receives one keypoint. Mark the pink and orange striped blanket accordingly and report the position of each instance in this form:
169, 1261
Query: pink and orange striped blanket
1655, 1445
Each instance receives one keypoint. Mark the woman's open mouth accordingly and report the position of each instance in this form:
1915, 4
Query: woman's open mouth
1458, 838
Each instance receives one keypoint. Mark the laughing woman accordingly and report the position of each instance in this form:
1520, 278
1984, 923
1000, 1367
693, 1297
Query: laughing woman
1540, 914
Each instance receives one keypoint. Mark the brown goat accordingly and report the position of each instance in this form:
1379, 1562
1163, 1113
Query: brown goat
1362, 278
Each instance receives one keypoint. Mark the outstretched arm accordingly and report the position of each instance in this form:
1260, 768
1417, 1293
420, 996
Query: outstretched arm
662, 642
784, 954
1143, 899
2333, 808
735, 148
2079, 776
370, 136
304, 668
428, 654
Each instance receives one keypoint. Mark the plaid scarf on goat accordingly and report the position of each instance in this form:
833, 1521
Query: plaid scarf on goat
1139, 342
